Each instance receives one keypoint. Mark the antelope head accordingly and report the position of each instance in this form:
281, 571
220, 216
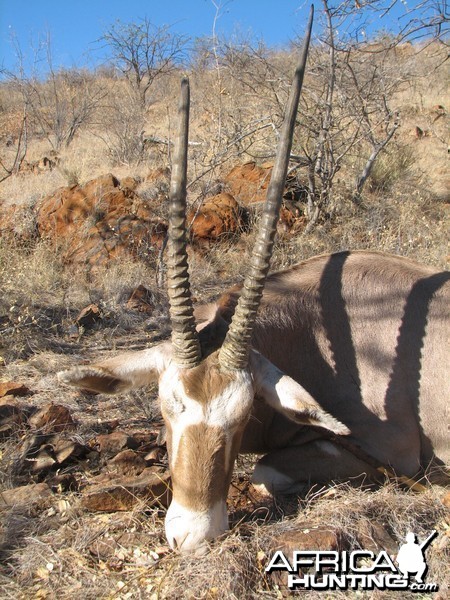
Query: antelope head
206, 401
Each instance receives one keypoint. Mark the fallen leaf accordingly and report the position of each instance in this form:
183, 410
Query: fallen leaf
42, 573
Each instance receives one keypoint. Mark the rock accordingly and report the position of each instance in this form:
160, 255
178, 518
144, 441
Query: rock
88, 316
373, 536
248, 183
141, 299
110, 444
156, 455
43, 452
42, 460
123, 493
67, 450
146, 439
99, 221
306, 538
218, 218
12, 388
26, 494
104, 548
101, 186
12, 416
309, 538
127, 463
52, 418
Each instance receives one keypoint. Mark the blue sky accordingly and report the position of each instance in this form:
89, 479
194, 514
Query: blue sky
75, 25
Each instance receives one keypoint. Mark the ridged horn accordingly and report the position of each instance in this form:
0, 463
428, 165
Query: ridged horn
235, 349
185, 342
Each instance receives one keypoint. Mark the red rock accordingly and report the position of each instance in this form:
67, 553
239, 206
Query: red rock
141, 299
12, 388
99, 221
26, 494
125, 492
218, 218
248, 183
52, 418
88, 316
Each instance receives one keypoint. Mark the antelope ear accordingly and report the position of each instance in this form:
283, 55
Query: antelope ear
121, 373
287, 396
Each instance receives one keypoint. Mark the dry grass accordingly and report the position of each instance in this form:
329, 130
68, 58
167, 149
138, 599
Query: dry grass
406, 221
55, 547
52, 549
63, 550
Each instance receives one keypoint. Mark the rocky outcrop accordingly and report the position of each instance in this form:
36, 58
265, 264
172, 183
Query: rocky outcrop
217, 219
99, 221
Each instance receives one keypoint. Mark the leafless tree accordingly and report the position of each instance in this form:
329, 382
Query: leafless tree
17, 82
348, 112
58, 104
144, 52
20, 150
372, 88
425, 19
65, 103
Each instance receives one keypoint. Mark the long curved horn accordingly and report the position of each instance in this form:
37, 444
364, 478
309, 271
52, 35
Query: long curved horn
235, 349
186, 346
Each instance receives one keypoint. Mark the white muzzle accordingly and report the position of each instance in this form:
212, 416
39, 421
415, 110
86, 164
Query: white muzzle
189, 530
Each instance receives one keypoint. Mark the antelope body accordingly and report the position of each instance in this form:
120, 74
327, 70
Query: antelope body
352, 343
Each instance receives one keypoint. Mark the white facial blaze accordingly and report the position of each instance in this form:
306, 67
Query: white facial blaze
226, 411
188, 529
230, 409
177, 407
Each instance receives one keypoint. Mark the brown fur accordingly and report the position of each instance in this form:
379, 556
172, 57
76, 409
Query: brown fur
366, 334
207, 380
211, 482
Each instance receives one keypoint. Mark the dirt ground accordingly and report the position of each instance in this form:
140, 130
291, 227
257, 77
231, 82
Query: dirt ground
85, 491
